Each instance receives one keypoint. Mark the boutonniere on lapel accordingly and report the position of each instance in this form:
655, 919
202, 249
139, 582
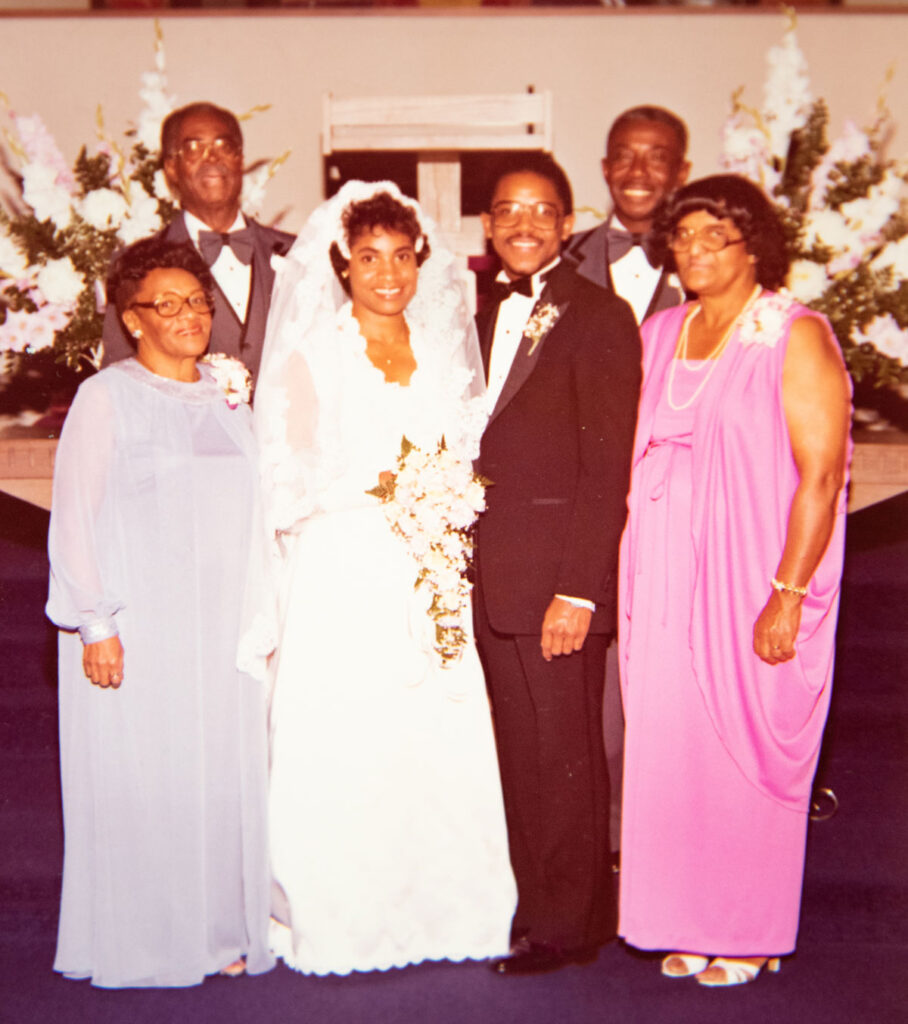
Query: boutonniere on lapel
540, 323
232, 376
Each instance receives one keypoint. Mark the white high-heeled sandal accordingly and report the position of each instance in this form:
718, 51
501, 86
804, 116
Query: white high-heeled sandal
738, 972
693, 964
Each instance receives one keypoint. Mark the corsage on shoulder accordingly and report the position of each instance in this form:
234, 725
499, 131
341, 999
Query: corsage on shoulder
232, 376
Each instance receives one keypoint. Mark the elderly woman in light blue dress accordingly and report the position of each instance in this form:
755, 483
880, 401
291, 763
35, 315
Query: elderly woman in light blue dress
162, 739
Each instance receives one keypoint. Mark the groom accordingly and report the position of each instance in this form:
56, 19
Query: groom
562, 359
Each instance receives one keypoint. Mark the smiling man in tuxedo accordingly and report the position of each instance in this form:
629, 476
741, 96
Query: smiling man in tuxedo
562, 358
202, 150
645, 161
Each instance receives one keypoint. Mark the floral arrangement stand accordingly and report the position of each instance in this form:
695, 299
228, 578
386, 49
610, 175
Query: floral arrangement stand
844, 206
60, 230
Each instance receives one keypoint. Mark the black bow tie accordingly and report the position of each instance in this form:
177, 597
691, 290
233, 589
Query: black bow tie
501, 290
211, 243
620, 243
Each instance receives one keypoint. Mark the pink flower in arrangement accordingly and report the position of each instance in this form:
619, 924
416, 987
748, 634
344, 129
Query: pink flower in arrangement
40, 148
27, 332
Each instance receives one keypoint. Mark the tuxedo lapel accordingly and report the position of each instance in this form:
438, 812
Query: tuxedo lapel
666, 295
530, 347
176, 232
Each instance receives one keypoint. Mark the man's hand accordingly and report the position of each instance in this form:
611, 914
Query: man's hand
564, 628
102, 662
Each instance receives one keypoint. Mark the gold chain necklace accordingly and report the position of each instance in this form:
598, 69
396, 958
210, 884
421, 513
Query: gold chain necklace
713, 358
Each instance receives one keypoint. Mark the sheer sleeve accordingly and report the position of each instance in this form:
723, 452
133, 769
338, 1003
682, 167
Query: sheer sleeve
78, 597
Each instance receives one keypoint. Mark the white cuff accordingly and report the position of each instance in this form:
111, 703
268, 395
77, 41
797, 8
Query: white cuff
100, 629
578, 602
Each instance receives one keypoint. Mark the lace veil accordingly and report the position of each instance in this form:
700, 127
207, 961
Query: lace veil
301, 385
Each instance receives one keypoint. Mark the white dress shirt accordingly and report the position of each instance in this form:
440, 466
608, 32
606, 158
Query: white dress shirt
633, 278
233, 277
513, 314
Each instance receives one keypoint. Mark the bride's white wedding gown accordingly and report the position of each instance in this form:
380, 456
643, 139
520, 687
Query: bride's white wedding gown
388, 836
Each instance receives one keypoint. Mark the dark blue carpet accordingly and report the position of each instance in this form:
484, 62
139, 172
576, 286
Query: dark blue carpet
852, 962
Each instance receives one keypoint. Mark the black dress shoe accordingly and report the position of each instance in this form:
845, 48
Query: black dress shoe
539, 957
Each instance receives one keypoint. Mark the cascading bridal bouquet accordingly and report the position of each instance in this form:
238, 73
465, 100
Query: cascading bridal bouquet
431, 502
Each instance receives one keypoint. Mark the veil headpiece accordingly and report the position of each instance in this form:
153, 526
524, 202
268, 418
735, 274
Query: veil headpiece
300, 385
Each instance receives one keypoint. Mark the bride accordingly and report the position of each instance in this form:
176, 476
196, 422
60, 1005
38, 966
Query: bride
388, 838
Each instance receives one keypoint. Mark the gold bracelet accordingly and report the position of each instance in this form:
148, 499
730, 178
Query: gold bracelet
791, 588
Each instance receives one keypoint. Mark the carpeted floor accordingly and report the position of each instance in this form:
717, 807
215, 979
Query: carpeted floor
851, 966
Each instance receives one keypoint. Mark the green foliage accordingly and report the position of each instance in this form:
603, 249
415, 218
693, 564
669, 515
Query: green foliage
807, 147
92, 172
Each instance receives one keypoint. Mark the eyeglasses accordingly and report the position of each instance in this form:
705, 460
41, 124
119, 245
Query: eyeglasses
542, 215
221, 148
170, 304
712, 238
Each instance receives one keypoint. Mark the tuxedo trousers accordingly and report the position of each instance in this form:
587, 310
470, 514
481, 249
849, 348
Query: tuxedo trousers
548, 728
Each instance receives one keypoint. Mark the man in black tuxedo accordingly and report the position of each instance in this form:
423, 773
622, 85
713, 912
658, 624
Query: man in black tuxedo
644, 162
562, 359
202, 150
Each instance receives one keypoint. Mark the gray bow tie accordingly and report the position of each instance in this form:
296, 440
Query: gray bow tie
211, 243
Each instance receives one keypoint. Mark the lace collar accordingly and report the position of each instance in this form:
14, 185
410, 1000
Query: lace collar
197, 392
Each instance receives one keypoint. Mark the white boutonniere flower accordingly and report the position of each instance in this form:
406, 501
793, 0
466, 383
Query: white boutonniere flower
232, 376
763, 323
540, 323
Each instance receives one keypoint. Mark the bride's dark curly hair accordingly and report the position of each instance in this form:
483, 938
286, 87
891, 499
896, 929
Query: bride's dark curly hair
746, 206
381, 212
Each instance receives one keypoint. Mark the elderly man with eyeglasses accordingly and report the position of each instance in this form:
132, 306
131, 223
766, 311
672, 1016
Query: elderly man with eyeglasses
202, 152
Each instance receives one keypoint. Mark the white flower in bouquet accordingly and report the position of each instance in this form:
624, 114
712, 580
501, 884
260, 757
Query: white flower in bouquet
786, 94
23, 332
885, 334
157, 102
431, 503
253, 195
807, 280
870, 214
828, 227
38, 147
60, 283
843, 205
13, 262
142, 220
103, 208
49, 199
160, 186
744, 148
16, 331
893, 256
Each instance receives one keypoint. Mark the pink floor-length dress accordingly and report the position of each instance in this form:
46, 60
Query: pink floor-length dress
715, 806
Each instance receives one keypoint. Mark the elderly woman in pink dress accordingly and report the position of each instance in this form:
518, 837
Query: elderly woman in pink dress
730, 574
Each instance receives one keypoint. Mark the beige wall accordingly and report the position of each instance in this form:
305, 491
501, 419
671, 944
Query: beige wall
596, 64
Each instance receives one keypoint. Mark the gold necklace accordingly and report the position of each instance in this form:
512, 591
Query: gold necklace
713, 358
